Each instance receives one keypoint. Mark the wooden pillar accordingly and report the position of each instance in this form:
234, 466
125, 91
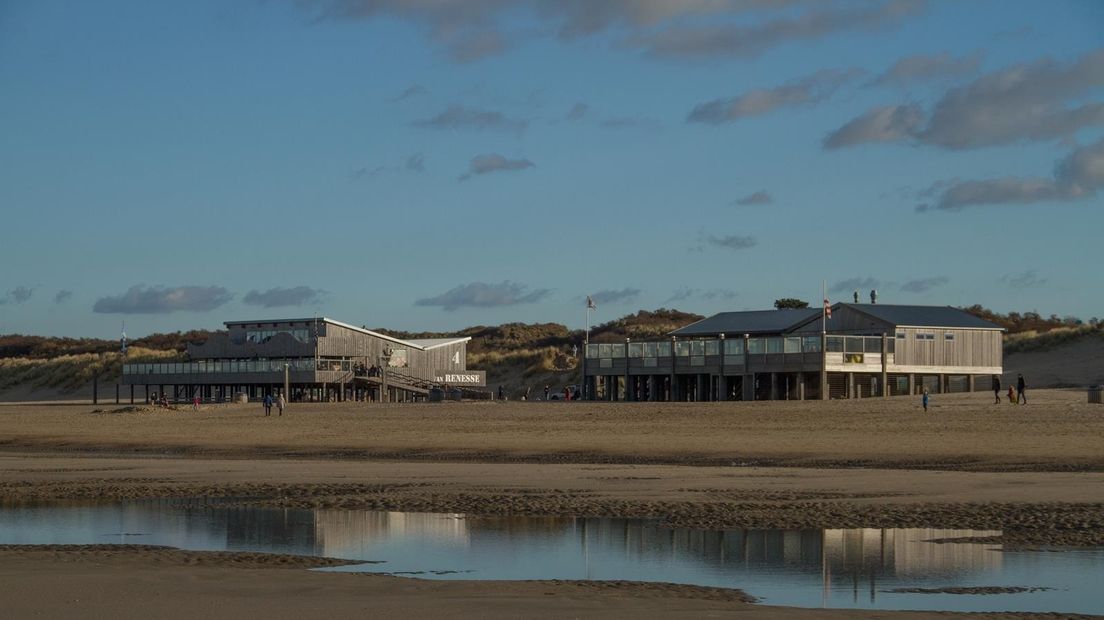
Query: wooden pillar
147, 394
850, 385
747, 387
971, 381
823, 365
132, 393
116, 393
800, 386
699, 387
95, 389
911, 384
942, 384
774, 386
674, 376
885, 366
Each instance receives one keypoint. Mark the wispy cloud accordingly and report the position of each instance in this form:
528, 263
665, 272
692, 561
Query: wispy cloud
461, 117
577, 112
923, 285
727, 242
1026, 279
758, 198
142, 299
63, 296
18, 295
853, 284
1078, 176
414, 162
615, 296
750, 40
706, 294
927, 67
471, 30
412, 91
493, 162
281, 297
485, 295
1027, 102
804, 91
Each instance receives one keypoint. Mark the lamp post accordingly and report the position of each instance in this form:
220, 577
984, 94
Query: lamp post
385, 359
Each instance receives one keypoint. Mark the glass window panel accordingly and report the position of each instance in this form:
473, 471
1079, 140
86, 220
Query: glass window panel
948, 336
853, 344
712, 347
810, 344
697, 347
792, 345
872, 345
734, 347
649, 349
618, 350
682, 349
592, 351
901, 335
663, 349
757, 346
605, 350
636, 349
835, 344
891, 346
774, 345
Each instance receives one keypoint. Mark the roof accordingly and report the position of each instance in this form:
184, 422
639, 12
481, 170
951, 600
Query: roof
422, 345
923, 316
749, 322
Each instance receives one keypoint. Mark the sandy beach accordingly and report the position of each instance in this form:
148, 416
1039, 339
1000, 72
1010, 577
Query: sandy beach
1036, 472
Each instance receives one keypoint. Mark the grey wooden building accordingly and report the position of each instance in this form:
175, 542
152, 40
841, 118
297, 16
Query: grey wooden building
314, 359
864, 350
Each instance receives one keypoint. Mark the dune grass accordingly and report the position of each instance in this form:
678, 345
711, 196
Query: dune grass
69, 372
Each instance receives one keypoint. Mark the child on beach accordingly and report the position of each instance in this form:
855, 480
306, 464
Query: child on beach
925, 399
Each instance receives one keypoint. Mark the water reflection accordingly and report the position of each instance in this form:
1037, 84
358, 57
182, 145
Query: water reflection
840, 568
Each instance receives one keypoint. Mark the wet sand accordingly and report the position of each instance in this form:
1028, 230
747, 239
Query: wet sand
1035, 472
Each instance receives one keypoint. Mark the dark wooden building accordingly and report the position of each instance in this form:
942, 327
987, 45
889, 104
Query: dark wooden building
864, 350
313, 359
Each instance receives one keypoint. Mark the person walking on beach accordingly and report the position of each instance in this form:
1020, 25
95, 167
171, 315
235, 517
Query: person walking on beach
546, 392
1021, 385
924, 400
195, 403
996, 388
268, 404
280, 404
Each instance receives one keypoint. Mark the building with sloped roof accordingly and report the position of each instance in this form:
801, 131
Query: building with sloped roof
309, 359
863, 350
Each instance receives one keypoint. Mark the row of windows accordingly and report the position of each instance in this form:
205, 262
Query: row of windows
258, 336
236, 366
927, 336
734, 348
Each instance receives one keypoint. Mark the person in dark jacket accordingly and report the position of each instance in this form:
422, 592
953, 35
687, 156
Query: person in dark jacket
1021, 385
996, 388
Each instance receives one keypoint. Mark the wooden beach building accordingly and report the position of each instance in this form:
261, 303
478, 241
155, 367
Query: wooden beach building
313, 359
864, 350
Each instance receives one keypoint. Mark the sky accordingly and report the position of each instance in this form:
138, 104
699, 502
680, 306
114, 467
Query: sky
429, 165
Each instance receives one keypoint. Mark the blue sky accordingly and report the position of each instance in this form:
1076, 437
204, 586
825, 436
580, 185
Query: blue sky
434, 164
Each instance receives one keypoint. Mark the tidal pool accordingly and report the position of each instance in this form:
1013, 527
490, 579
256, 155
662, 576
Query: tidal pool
846, 568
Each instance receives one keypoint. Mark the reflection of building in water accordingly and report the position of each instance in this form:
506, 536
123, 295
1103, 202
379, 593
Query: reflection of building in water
344, 533
283, 531
845, 555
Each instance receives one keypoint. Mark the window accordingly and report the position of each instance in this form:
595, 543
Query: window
900, 335
757, 346
592, 351
617, 350
792, 345
697, 347
948, 336
774, 345
835, 344
810, 344
636, 349
734, 347
712, 347
650, 349
682, 349
605, 351
925, 336
663, 349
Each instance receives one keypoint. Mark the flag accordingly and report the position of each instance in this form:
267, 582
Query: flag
590, 303
827, 309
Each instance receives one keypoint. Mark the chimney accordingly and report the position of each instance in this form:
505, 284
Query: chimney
873, 296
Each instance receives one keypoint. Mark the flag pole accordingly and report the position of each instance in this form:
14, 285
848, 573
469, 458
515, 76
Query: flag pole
824, 340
